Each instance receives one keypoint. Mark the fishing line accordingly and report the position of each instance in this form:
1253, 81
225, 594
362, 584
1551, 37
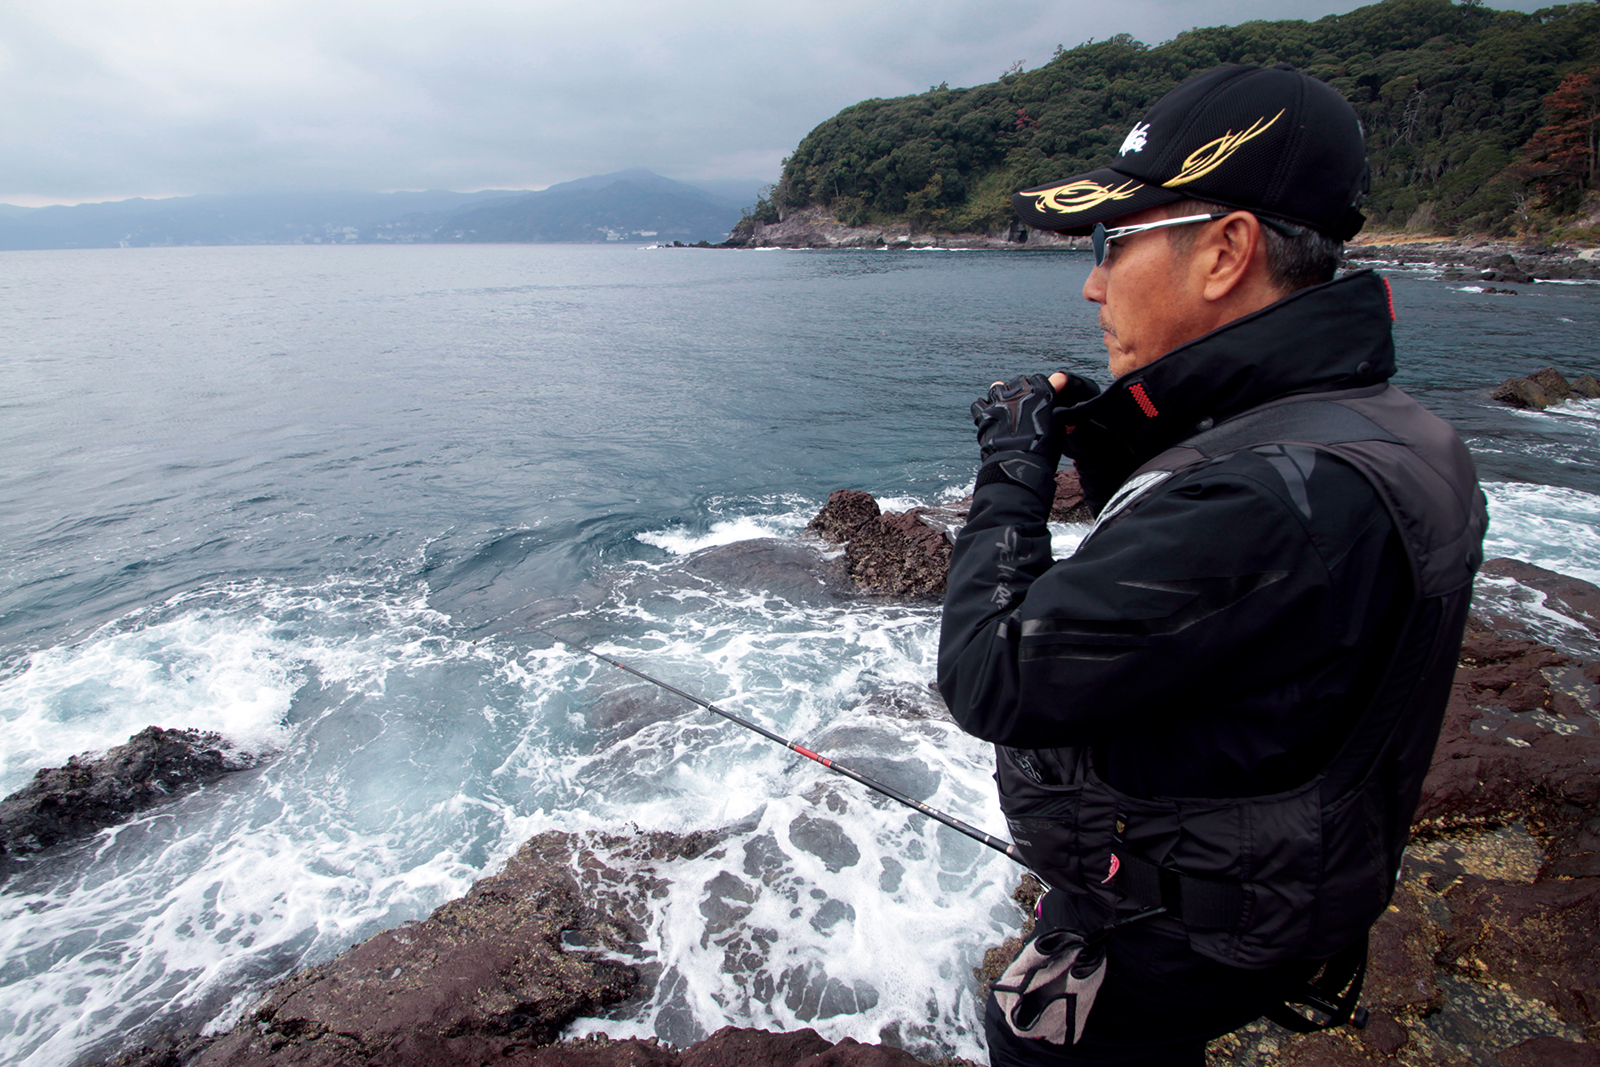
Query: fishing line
878, 787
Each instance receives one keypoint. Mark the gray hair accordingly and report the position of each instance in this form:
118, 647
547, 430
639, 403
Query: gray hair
1297, 256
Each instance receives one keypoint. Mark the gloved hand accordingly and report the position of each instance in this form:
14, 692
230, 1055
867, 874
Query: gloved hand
1074, 390
1015, 416
1101, 470
1048, 990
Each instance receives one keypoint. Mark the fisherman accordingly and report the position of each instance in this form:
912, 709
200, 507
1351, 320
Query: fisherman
1265, 618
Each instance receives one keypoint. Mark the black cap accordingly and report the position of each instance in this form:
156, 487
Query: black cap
1271, 141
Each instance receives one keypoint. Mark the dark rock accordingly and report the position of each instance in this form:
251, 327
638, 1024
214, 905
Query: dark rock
894, 554
1069, 505
908, 554
1496, 763
1554, 384
899, 555
826, 840
1542, 388
478, 981
1383, 1035
846, 513
1549, 1052
1573, 597
90, 793
852, 1053
1402, 976
733, 1046
599, 1051
1521, 393
793, 571
1541, 940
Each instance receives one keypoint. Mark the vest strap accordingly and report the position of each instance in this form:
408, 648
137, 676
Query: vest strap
1201, 903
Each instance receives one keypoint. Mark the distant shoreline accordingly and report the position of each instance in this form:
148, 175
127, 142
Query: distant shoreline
814, 229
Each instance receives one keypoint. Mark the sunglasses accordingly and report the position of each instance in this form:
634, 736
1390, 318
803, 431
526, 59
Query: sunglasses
1103, 237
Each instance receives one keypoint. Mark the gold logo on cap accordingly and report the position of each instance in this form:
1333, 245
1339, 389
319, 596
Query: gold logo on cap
1211, 155
1078, 196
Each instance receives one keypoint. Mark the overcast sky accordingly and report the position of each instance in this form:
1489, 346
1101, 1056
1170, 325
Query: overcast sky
106, 99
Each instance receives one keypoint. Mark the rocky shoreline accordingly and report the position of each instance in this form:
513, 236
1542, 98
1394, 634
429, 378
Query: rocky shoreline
1463, 259
1489, 954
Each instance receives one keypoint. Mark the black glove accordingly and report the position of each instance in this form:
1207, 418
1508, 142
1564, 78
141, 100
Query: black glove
1015, 416
1101, 469
1076, 391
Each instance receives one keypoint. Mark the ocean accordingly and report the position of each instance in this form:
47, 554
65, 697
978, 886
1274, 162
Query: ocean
317, 498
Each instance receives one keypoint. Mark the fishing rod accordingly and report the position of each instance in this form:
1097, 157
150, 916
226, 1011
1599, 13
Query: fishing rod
878, 787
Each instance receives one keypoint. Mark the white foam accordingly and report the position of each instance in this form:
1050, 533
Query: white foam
235, 676
1548, 526
817, 675
681, 542
373, 811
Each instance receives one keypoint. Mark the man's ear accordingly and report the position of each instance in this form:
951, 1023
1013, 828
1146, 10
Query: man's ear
1232, 258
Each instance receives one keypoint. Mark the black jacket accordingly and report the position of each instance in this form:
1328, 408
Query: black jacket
1218, 637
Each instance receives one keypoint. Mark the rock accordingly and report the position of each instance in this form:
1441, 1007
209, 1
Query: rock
1577, 599
770, 565
894, 554
1521, 393
908, 553
1553, 383
1544, 387
481, 979
1549, 1052
1069, 504
91, 793
900, 555
733, 1046
846, 512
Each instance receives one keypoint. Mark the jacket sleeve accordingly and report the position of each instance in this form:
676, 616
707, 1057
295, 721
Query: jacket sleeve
1210, 582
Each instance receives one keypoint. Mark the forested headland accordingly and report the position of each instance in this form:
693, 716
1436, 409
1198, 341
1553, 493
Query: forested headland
1477, 121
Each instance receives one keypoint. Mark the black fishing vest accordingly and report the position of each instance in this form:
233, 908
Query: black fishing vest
1302, 874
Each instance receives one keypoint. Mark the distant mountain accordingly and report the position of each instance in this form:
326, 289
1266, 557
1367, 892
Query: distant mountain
263, 218
629, 205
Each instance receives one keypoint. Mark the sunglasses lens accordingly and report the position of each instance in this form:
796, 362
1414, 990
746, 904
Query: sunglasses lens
1099, 240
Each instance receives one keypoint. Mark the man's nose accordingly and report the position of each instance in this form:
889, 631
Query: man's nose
1094, 288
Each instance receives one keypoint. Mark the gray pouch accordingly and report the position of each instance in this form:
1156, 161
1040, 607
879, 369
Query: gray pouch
1050, 987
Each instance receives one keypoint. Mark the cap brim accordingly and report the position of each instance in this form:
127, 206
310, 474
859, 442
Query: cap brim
1075, 205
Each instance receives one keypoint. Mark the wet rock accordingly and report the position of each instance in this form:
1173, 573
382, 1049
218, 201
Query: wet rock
1549, 1052
1575, 598
826, 840
795, 572
1542, 388
1069, 504
482, 975
91, 793
1554, 384
1521, 393
736, 1047
894, 554
908, 554
847, 512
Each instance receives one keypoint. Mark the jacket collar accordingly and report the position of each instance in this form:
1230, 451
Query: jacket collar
1326, 337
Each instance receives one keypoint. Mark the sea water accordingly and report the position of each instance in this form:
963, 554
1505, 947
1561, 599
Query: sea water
319, 499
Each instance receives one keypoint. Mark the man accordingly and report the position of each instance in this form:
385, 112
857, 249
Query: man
1263, 622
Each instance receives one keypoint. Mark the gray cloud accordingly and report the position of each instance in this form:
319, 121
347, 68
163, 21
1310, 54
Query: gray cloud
106, 99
